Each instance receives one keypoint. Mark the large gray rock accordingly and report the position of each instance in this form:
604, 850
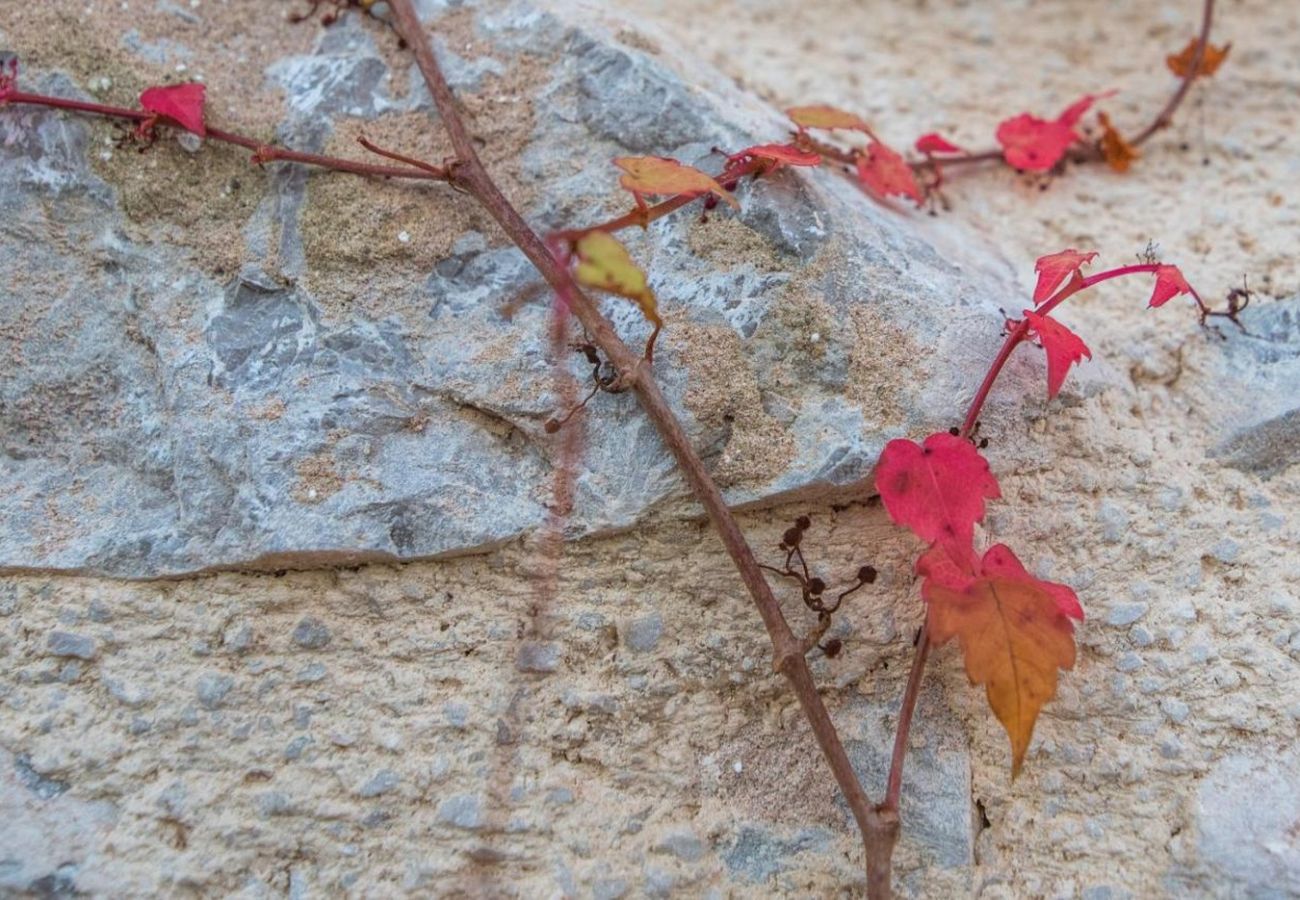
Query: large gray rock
1258, 399
161, 414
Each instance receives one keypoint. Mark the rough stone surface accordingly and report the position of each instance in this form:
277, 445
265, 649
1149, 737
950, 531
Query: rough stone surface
1260, 404
1165, 766
243, 414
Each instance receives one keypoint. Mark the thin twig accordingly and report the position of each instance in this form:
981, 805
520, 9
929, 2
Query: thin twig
262, 152
894, 787
1166, 115
879, 829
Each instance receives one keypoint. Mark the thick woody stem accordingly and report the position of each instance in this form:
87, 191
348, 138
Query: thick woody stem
469, 173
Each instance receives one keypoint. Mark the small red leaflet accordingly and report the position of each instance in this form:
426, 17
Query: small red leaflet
886, 173
181, 104
1055, 268
1064, 348
1169, 284
936, 143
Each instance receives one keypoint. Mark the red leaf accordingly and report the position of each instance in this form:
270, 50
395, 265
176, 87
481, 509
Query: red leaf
886, 173
936, 489
936, 143
1064, 348
1054, 268
181, 103
936, 567
779, 155
8, 77
1169, 283
1074, 112
1035, 144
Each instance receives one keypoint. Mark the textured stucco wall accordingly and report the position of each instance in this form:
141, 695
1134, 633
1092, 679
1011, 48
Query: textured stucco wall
437, 729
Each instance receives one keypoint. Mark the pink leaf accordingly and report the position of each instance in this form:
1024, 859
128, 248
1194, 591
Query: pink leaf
1054, 268
180, 103
936, 143
8, 77
1064, 348
937, 489
1169, 284
886, 173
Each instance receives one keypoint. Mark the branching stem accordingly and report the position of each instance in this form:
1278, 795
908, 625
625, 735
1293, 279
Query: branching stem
879, 828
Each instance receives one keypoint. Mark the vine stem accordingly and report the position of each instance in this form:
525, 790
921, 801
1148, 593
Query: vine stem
1017, 335
1166, 115
1084, 153
262, 152
878, 827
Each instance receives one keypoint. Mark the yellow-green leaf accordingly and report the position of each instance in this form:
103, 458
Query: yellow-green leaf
604, 264
667, 177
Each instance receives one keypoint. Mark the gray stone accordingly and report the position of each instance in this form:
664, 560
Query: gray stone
212, 690
642, 635
63, 643
188, 417
40, 785
937, 804
685, 845
1125, 613
311, 634
1114, 521
1258, 407
1226, 551
539, 657
380, 783
608, 889
1175, 709
756, 854
46, 836
1247, 807
311, 673
457, 713
237, 638
462, 811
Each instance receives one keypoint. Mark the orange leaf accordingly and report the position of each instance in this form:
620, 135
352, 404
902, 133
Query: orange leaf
604, 264
1181, 63
658, 176
828, 117
886, 173
1063, 347
1118, 152
1014, 635
1054, 268
181, 103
